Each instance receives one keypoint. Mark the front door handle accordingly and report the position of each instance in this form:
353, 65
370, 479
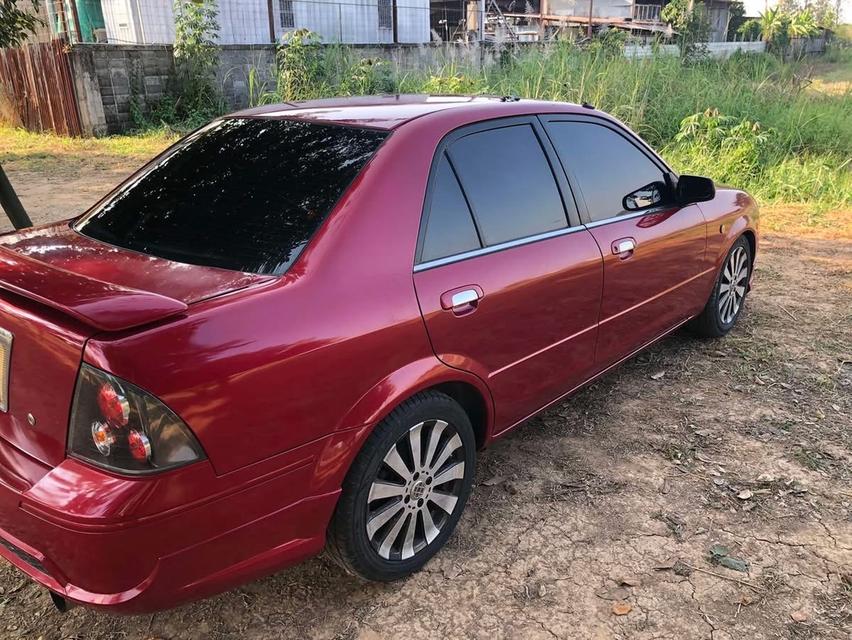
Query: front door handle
462, 300
624, 247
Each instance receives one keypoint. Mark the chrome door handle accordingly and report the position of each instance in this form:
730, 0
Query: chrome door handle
625, 246
466, 297
462, 300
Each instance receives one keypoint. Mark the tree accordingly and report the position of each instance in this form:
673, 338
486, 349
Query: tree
690, 21
16, 23
803, 24
736, 18
750, 30
774, 26
195, 52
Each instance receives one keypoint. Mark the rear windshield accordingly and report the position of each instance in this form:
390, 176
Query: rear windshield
241, 193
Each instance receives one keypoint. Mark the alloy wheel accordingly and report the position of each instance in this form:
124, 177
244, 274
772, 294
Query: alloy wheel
416, 489
732, 285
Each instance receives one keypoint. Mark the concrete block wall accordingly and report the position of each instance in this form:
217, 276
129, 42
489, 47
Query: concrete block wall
118, 75
111, 79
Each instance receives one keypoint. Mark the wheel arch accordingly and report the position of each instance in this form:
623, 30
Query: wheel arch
428, 374
752, 242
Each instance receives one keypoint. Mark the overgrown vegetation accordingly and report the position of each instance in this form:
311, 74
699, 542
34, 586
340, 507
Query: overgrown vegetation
789, 19
749, 121
753, 121
193, 98
691, 24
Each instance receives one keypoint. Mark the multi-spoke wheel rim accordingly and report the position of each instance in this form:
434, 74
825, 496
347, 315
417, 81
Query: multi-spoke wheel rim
732, 286
416, 490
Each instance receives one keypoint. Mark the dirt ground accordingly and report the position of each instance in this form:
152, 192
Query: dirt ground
599, 518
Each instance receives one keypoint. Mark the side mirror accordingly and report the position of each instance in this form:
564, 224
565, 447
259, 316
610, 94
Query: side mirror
690, 189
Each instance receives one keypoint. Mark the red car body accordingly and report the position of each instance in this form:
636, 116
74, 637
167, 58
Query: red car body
281, 378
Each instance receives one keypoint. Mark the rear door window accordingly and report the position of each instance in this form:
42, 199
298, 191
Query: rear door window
509, 183
242, 193
449, 225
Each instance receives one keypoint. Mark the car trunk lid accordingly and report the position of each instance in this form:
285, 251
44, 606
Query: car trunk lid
57, 289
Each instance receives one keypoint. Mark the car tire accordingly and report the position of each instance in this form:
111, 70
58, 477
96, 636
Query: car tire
370, 534
726, 302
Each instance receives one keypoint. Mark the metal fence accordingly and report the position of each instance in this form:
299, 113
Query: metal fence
37, 88
346, 21
265, 21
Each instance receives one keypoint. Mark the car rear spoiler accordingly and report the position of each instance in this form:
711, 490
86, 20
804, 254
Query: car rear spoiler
98, 304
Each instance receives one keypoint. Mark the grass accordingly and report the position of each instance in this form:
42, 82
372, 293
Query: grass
804, 158
46, 151
783, 131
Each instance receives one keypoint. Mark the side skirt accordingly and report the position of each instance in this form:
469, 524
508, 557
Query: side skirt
601, 373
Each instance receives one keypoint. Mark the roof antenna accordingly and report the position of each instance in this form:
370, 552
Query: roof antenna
587, 105
509, 99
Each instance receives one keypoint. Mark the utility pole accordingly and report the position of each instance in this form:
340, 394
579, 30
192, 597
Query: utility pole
11, 204
271, 15
591, 9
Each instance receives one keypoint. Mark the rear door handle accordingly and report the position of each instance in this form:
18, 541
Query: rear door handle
624, 247
462, 300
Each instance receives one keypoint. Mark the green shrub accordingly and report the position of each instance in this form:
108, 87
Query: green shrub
196, 55
300, 61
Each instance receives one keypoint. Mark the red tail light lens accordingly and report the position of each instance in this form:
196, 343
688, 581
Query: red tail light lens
113, 405
117, 425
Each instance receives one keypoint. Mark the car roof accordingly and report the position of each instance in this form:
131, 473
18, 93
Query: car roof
392, 111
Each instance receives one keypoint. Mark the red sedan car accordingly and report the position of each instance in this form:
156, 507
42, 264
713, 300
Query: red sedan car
296, 327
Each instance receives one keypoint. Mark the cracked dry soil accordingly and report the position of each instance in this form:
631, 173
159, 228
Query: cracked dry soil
608, 503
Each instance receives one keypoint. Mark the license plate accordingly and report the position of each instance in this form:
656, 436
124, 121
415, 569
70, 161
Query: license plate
5, 360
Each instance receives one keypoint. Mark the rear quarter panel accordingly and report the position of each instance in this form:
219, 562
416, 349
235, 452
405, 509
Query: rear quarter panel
264, 370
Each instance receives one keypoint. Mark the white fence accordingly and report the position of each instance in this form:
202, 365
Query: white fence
715, 49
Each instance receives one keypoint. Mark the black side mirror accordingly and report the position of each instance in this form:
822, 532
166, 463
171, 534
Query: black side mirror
690, 189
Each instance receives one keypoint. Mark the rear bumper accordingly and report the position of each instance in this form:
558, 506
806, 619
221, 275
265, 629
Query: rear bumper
146, 564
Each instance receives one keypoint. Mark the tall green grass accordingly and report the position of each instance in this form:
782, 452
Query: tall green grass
802, 155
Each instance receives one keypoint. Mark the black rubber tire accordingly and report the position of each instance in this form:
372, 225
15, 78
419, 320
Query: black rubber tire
347, 543
709, 324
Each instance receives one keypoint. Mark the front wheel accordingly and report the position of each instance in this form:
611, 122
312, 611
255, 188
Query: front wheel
729, 293
406, 489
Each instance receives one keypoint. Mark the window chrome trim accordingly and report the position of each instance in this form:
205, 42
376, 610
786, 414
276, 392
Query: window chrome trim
630, 216
475, 253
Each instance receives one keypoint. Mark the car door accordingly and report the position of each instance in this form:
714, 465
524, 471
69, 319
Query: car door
508, 280
653, 250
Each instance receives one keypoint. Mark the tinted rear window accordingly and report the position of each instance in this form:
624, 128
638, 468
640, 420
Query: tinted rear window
449, 226
508, 182
242, 193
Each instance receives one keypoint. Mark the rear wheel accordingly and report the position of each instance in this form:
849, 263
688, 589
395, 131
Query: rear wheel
406, 490
729, 293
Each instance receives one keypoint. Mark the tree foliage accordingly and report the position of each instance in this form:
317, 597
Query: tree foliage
692, 24
17, 22
736, 19
778, 26
196, 53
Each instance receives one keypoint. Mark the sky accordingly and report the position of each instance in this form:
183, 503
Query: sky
756, 7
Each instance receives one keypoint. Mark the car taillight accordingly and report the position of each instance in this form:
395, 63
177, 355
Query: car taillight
117, 425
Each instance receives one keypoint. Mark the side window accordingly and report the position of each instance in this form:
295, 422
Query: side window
508, 183
449, 226
614, 176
